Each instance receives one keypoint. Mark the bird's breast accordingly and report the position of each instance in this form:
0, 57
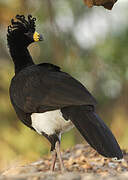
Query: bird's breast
50, 122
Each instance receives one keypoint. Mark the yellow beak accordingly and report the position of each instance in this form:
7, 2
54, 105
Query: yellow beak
37, 37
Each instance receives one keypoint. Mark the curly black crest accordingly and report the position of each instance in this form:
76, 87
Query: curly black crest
22, 24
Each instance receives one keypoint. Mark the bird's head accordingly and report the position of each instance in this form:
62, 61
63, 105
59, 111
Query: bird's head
22, 32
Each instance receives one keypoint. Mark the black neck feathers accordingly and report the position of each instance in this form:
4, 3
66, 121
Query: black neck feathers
21, 57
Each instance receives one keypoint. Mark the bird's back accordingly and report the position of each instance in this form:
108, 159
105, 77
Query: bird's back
39, 87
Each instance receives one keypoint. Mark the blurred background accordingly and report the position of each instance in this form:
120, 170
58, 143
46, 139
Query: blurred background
91, 45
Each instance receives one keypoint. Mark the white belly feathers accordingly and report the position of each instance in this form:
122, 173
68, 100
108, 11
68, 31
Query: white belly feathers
50, 122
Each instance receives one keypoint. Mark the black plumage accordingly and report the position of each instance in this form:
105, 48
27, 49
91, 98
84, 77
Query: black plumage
39, 89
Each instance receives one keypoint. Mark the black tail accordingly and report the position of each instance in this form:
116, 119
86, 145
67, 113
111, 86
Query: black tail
94, 130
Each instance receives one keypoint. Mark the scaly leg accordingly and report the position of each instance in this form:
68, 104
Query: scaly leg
54, 155
57, 148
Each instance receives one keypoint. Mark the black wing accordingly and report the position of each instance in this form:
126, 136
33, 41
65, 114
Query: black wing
40, 88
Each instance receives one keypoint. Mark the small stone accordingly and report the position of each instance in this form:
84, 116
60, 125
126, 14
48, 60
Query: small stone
19, 170
37, 163
89, 177
125, 164
82, 159
112, 165
86, 166
69, 176
78, 152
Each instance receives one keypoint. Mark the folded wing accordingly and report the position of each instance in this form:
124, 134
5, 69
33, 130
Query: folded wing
41, 89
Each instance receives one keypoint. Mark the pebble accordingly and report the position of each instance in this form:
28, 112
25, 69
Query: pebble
69, 176
81, 162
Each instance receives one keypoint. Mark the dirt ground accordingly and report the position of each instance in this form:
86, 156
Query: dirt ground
81, 162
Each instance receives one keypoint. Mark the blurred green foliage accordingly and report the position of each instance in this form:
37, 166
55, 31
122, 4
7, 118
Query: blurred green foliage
90, 44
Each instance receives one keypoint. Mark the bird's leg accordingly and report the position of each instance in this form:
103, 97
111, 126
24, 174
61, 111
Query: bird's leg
54, 155
57, 147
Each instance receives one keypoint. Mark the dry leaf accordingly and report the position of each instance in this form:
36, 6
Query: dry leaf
108, 4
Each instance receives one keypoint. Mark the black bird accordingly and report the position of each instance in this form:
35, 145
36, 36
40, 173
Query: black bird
49, 100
